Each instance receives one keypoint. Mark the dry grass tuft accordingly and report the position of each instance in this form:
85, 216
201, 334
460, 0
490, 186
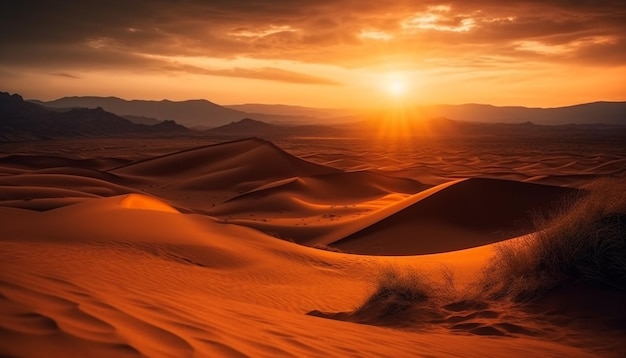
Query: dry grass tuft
405, 296
396, 287
584, 242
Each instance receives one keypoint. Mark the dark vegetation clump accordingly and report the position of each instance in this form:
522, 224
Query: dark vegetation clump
404, 296
584, 242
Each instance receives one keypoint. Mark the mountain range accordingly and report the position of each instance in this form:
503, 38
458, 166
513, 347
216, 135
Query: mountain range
22, 120
192, 113
588, 113
205, 114
70, 118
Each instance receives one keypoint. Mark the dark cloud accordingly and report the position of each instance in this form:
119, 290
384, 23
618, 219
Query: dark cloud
114, 33
613, 53
66, 75
264, 73
270, 73
57, 56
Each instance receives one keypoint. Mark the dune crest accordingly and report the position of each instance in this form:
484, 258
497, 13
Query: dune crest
468, 213
142, 202
253, 156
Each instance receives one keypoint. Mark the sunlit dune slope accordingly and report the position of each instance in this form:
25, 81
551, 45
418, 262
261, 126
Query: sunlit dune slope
459, 215
328, 189
240, 165
80, 183
43, 191
142, 202
131, 218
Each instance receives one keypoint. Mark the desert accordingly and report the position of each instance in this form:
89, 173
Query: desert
313, 178
162, 247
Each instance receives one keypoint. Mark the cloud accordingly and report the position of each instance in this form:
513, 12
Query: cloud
59, 58
119, 34
375, 35
265, 73
438, 18
66, 75
262, 32
273, 74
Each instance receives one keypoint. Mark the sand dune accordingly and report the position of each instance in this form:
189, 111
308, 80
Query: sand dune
468, 213
248, 164
197, 179
452, 216
43, 191
303, 209
167, 286
80, 183
344, 188
169, 255
81, 172
62, 314
434, 161
43, 204
28, 193
53, 161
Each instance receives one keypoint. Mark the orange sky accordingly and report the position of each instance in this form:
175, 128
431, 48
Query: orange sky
322, 53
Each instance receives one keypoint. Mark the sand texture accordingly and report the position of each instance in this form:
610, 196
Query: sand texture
251, 248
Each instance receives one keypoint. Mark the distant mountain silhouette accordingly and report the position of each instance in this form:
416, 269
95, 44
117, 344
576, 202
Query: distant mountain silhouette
22, 120
376, 127
142, 120
284, 110
588, 113
205, 114
280, 113
444, 127
192, 113
250, 127
246, 126
15, 106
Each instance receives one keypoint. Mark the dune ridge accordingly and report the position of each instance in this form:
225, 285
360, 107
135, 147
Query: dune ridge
459, 215
223, 169
41, 161
222, 157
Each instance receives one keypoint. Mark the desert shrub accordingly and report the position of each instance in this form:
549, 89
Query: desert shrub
396, 293
585, 241
401, 286
404, 295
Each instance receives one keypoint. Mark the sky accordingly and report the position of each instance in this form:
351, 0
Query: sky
319, 53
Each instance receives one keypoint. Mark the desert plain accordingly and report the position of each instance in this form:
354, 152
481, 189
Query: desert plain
303, 246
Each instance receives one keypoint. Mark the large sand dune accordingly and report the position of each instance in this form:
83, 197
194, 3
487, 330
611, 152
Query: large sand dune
175, 254
468, 213
240, 164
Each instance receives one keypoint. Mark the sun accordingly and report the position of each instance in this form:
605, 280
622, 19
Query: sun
396, 87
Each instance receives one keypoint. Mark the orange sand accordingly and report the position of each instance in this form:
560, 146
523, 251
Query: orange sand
163, 256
